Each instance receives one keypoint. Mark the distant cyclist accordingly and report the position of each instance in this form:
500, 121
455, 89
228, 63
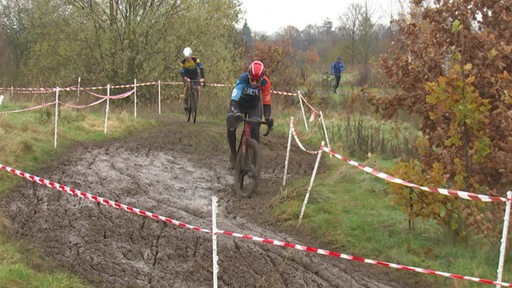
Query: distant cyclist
252, 95
191, 69
337, 68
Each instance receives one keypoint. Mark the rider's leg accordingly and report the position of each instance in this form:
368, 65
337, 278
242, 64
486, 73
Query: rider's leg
255, 113
338, 78
185, 96
231, 124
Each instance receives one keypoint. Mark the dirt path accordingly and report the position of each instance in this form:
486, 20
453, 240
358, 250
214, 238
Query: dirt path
173, 171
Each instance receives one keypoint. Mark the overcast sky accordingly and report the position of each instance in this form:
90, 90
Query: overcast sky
270, 16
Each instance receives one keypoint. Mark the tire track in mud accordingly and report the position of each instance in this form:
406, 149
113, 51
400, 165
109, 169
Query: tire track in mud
162, 171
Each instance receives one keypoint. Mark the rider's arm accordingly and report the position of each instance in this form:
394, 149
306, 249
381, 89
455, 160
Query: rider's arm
182, 69
266, 93
201, 69
267, 111
237, 90
266, 96
235, 96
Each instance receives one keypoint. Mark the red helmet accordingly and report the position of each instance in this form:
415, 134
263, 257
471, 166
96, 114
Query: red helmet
256, 70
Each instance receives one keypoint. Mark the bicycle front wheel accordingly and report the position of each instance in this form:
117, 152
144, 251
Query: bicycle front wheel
189, 106
247, 169
193, 103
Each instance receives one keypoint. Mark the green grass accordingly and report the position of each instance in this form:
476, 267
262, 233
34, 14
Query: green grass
351, 211
14, 272
19, 275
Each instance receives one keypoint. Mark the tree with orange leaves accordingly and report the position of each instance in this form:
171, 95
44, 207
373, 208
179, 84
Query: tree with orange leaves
451, 63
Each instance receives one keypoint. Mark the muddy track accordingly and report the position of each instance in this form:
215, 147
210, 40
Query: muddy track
173, 172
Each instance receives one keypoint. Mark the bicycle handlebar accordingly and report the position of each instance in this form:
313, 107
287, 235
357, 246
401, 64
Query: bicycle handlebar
192, 81
258, 121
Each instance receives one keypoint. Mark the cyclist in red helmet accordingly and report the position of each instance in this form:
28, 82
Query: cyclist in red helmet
252, 95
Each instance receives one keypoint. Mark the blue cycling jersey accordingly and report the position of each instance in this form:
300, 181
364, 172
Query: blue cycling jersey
246, 95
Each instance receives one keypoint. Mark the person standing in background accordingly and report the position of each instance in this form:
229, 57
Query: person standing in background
337, 68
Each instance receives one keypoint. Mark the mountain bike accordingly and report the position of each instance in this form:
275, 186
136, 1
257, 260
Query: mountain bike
247, 165
192, 102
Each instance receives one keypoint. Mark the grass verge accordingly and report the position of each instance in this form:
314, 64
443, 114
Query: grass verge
351, 212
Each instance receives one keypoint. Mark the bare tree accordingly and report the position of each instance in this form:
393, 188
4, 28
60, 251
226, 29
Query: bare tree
359, 38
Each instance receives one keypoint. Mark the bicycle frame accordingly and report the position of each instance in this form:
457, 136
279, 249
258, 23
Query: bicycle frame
246, 132
246, 135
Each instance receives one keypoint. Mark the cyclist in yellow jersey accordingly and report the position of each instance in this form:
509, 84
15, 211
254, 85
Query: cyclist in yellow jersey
191, 69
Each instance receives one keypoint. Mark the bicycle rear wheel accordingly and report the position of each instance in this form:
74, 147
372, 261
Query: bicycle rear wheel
247, 170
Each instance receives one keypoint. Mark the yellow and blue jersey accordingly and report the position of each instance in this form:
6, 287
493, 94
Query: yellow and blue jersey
191, 68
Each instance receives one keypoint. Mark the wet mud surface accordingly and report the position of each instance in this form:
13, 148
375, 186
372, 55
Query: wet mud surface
173, 171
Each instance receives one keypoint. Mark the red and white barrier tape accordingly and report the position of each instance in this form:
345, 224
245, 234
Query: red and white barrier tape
29, 90
53, 103
300, 144
364, 260
283, 93
103, 98
120, 96
382, 175
28, 109
83, 106
309, 105
123, 207
97, 199
449, 192
74, 88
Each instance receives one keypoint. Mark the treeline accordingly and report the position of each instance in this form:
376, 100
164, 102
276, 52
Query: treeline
356, 35
52, 42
